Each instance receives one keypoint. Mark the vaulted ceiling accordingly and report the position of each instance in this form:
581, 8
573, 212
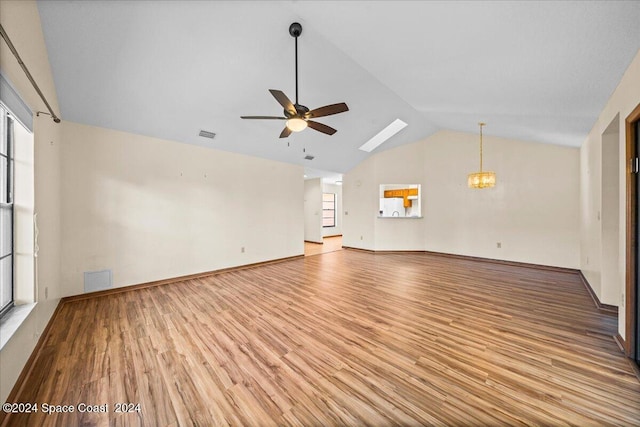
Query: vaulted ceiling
535, 71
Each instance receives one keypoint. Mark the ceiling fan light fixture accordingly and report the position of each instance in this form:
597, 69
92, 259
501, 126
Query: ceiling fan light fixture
296, 124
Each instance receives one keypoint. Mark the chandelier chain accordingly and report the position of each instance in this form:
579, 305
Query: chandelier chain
481, 124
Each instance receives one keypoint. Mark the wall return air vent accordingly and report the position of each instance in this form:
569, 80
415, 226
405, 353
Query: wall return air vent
207, 134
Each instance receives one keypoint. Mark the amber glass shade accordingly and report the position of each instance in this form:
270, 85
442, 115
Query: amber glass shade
481, 180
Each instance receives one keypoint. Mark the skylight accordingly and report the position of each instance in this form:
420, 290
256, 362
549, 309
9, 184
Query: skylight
383, 135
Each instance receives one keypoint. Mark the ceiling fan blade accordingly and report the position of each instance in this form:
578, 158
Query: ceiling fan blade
321, 128
285, 132
283, 100
328, 110
263, 117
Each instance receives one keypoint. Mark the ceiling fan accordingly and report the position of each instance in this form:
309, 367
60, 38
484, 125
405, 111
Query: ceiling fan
298, 116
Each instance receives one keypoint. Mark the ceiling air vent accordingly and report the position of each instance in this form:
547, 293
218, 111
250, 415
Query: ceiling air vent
308, 157
207, 134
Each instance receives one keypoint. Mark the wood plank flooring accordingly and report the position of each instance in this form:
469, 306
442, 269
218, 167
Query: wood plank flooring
329, 244
344, 338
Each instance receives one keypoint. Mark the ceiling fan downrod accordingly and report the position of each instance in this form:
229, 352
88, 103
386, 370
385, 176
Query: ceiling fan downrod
295, 30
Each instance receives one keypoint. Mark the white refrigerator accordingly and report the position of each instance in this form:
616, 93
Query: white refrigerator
392, 206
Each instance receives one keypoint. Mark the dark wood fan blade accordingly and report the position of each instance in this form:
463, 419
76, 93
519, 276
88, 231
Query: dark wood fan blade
263, 117
328, 110
321, 128
285, 132
283, 100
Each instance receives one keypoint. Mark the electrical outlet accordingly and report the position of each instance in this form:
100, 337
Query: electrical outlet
46, 293
587, 260
499, 245
622, 300
360, 237
242, 250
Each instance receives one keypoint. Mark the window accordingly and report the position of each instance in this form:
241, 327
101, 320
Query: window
6, 211
328, 209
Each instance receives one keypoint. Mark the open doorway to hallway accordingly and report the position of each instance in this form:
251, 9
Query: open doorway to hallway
329, 244
322, 211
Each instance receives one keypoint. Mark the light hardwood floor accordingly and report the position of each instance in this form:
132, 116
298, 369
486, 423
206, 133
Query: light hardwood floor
344, 338
329, 244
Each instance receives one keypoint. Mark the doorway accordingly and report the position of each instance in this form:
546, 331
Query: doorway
632, 287
636, 293
329, 244
322, 213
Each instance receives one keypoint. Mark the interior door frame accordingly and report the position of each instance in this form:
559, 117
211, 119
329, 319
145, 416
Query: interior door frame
631, 252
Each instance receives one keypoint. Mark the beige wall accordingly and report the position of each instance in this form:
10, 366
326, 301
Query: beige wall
21, 21
150, 209
532, 212
603, 266
361, 200
402, 165
535, 220
360, 204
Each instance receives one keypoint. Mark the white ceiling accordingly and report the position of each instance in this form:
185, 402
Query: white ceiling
537, 71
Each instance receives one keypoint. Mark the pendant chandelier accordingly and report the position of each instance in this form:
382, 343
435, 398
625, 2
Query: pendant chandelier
481, 179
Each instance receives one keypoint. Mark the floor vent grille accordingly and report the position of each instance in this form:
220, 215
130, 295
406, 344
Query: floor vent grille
97, 280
